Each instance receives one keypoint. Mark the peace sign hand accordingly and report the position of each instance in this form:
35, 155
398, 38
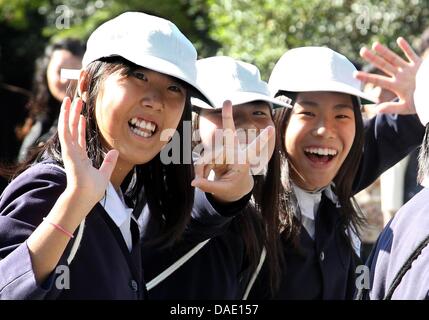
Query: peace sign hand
232, 164
83, 179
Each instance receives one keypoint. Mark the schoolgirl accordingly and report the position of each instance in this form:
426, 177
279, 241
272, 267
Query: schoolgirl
322, 138
68, 225
221, 267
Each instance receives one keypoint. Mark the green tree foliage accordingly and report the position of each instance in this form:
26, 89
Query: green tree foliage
260, 31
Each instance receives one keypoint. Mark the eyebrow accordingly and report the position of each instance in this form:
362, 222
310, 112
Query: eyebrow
343, 106
315, 104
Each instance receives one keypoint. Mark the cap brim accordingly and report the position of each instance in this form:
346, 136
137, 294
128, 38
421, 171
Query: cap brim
152, 63
168, 68
333, 87
240, 98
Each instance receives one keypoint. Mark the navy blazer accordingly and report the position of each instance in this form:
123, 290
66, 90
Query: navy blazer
220, 271
325, 268
103, 267
399, 239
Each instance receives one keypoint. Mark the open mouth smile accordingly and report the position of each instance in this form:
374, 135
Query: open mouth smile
142, 128
320, 155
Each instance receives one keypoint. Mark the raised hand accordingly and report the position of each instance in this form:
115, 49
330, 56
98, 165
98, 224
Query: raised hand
82, 178
232, 164
401, 75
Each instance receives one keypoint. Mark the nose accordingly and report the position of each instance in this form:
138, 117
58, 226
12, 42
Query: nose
152, 98
325, 128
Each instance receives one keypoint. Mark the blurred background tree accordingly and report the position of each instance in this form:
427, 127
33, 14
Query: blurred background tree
257, 31
260, 31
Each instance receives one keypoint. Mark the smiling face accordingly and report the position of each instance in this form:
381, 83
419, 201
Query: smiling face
133, 109
249, 119
319, 136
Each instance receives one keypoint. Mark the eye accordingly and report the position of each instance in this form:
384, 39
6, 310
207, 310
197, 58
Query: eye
139, 75
259, 113
176, 88
307, 113
343, 116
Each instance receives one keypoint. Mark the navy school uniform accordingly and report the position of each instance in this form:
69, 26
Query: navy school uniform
103, 267
323, 268
405, 236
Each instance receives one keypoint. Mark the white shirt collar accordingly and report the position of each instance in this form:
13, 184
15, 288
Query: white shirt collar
119, 212
308, 202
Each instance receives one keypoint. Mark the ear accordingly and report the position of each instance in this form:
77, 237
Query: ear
82, 86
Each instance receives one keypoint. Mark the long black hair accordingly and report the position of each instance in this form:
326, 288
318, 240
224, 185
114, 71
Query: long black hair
350, 213
167, 188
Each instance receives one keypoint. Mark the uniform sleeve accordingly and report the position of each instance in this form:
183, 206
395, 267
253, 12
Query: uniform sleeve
209, 219
388, 139
23, 204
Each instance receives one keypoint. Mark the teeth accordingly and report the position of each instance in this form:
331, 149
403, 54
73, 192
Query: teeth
148, 125
321, 151
141, 133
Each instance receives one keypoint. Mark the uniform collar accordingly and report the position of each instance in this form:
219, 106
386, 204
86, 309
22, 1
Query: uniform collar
115, 206
308, 201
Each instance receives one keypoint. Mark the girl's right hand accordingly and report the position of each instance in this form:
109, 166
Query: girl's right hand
83, 180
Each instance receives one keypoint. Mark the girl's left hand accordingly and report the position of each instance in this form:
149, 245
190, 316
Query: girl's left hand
401, 78
232, 164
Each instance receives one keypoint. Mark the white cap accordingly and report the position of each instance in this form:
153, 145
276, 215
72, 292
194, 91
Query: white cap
224, 78
147, 41
421, 93
316, 69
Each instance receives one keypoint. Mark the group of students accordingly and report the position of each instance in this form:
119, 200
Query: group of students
99, 200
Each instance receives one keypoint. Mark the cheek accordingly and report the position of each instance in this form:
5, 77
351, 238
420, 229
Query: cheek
207, 129
172, 116
292, 138
348, 135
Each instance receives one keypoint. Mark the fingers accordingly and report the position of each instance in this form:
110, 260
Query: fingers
75, 111
63, 122
376, 80
389, 55
109, 163
227, 118
391, 107
407, 50
82, 133
377, 61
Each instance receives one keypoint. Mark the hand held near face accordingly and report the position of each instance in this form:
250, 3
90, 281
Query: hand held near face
232, 164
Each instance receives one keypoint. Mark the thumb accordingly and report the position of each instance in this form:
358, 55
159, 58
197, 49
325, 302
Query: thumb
393, 107
109, 163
